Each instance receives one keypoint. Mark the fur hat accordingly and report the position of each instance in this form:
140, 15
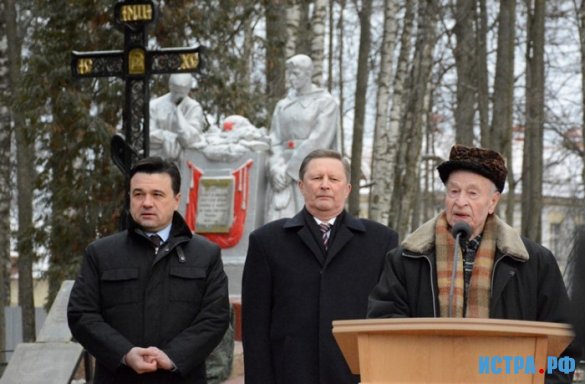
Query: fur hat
482, 161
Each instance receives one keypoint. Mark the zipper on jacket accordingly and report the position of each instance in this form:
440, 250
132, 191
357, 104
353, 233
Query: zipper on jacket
496, 262
494, 276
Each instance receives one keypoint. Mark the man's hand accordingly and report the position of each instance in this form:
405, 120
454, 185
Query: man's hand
140, 360
161, 358
144, 360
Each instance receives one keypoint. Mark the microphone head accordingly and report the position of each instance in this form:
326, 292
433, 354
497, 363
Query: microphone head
462, 229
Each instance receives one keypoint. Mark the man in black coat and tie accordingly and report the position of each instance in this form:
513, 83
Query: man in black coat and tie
302, 273
151, 311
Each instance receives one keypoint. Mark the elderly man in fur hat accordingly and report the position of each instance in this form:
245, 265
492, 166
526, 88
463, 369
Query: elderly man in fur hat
499, 274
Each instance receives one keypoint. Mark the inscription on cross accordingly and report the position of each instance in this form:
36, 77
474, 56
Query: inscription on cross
135, 65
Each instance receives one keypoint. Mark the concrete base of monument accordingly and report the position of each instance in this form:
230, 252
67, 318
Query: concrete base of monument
234, 267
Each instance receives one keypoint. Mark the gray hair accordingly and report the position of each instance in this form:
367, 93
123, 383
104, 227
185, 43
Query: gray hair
325, 154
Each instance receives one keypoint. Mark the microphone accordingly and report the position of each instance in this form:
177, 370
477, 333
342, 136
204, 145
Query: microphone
460, 231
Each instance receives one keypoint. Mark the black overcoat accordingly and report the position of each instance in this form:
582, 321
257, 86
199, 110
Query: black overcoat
292, 291
126, 296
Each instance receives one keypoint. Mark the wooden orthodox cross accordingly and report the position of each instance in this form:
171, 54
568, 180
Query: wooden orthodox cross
135, 64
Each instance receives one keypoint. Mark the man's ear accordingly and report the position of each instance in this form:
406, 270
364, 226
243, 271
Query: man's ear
494, 202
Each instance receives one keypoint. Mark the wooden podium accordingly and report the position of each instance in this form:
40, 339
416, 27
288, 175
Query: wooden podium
447, 350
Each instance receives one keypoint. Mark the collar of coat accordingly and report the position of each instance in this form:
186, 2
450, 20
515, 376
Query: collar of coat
508, 241
346, 219
178, 229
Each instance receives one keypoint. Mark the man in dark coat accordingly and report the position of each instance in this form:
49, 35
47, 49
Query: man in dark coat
298, 279
151, 310
499, 274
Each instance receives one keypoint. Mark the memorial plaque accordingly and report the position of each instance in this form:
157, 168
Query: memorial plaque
215, 204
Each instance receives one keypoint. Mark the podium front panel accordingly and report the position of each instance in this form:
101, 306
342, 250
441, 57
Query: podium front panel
440, 359
449, 350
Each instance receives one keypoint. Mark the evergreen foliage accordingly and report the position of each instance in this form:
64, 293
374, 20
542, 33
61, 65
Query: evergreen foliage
71, 122
81, 192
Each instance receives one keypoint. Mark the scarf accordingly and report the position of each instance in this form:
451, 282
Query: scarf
478, 297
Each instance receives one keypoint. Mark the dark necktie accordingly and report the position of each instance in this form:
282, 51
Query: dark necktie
325, 232
156, 241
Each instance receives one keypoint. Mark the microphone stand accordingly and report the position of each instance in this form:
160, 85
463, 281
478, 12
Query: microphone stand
454, 272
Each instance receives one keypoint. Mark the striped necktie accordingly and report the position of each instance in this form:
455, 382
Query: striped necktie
325, 232
156, 240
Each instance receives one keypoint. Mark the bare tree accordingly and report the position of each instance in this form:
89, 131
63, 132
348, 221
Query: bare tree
580, 10
5, 181
532, 165
421, 206
364, 15
330, 44
24, 182
392, 157
483, 97
408, 156
276, 37
293, 23
499, 136
465, 61
248, 50
341, 36
304, 31
429, 162
381, 149
318, 39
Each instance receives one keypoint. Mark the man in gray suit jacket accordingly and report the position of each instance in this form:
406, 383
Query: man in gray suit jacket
298, 278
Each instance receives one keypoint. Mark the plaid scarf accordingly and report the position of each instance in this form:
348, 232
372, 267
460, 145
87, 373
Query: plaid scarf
478, 297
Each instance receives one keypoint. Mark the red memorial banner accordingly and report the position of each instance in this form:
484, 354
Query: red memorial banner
241, 195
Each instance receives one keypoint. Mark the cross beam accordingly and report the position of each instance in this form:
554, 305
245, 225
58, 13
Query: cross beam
134, 64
